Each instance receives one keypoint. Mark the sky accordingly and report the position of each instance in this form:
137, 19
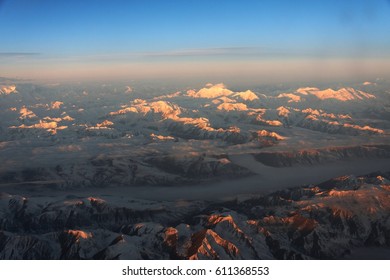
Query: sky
259, 40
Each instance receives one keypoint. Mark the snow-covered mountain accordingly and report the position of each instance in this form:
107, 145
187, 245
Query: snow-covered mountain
7, 89
342, 94
211, 121
325, 221
210, 91
110, 171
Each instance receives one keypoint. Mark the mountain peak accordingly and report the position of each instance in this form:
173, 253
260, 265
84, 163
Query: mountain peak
342, 94
211, 91
246, 95
7, 89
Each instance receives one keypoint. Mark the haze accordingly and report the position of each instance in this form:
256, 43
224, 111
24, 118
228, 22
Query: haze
253, 41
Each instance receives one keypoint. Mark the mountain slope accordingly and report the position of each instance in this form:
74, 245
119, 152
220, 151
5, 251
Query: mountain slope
324, 221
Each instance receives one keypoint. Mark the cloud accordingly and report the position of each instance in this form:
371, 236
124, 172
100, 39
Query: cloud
199, 52
17, 54
180, 54
257, 52
239, 51
244, 53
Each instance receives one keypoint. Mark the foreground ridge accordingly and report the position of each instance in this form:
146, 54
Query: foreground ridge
325, 221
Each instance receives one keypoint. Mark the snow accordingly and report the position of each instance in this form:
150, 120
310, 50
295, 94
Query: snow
213, 91
158, 158
246, 95
7, 89
232, 107
343, 94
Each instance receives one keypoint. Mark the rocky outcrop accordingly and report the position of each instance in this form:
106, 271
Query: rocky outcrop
106, 172
325, 221
316, 156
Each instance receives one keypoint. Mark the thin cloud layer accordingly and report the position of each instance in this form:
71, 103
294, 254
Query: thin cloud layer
17, 54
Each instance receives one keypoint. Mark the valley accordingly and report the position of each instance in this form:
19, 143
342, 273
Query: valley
133, 172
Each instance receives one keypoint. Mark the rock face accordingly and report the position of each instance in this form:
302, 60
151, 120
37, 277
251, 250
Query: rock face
315, 156
101, 139
188, 128
325, 221
123, 171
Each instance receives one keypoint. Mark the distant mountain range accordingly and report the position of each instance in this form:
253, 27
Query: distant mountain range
119, 171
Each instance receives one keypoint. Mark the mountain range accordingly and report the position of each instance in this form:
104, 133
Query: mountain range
134, 171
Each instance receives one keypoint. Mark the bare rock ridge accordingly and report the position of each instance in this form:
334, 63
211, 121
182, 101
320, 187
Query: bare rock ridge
159, 170
316, 156
214, 109
325, 221
112, 171
173, 170
206, 125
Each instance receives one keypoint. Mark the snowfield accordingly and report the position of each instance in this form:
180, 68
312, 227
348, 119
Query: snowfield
134, 171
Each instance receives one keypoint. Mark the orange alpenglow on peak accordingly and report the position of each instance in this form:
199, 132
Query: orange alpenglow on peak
7, 89
291, 96
211, 91
219, 90
232, 107
246, 95
105, 123
56, 104
79, 234
343, 94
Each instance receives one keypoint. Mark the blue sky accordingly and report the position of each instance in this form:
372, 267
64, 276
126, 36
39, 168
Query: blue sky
45, 35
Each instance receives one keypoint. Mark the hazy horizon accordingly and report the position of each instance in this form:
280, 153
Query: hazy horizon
254, 41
